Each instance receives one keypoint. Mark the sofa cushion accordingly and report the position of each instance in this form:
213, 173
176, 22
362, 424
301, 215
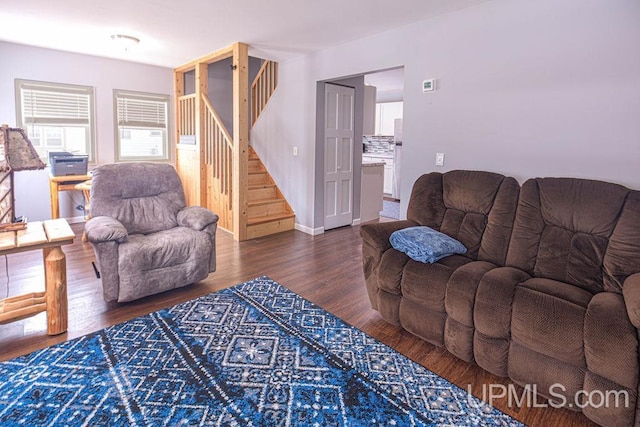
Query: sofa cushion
631, 295
552, 377
493, 307
459, 302
462, 288
153, 263
623, 255
467, 226
389, 273
474, 207
610, 406
562, 229
424, 323
142, 206
426, 284
539, 307
611, 341
425, 244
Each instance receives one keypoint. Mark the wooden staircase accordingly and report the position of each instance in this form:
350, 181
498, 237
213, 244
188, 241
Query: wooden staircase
268, 211
218, 168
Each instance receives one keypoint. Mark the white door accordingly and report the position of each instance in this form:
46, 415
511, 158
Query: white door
338, 156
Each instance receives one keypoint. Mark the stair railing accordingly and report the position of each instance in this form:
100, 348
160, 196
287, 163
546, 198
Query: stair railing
187, 114
218, 150
262, 88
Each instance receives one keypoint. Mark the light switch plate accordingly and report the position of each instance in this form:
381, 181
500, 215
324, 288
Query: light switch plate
439, 159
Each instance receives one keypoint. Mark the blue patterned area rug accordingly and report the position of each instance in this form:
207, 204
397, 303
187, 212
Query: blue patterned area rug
256, 354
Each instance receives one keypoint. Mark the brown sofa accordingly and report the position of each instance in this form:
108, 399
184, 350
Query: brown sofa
548, 292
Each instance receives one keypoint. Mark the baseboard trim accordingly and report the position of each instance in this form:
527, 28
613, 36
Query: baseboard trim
309, 230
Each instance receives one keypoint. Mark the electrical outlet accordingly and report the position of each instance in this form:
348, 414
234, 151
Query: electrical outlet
439, 159
295, 150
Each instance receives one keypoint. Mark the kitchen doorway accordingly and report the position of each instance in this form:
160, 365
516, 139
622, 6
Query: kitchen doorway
366, 196
382, 140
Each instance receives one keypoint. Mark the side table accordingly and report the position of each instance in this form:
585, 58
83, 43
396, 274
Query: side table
63, 183
49, 236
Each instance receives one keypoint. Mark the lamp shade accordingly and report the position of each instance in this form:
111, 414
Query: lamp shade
17, 152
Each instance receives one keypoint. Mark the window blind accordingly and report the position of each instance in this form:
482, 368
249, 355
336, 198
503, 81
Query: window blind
48, 105
141, 111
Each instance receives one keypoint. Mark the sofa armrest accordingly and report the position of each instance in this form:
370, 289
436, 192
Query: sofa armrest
631, 294
377, 234
196, 217
105, 229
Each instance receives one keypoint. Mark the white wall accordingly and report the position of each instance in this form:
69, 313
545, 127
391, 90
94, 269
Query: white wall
281, 127
527, 89
25, 62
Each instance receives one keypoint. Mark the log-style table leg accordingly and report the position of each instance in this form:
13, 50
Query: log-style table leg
55, 273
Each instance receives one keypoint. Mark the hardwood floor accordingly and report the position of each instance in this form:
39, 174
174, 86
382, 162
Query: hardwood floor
325, 269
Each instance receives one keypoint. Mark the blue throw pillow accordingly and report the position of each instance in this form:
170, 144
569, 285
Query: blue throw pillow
425, 244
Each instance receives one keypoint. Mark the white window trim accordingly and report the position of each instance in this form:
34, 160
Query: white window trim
119, 93
21, 84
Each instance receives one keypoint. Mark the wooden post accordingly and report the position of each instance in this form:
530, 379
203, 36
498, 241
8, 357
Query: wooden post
178, 91
240, 139
55, 273
202, 89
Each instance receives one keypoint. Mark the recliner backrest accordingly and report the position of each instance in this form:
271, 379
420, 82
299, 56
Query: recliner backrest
144, 197
475, 207
563, 229
623, 253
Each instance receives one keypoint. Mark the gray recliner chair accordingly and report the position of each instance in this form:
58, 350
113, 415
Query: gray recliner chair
145, 239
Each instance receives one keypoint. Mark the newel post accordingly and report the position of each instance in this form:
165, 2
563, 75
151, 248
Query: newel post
240, 139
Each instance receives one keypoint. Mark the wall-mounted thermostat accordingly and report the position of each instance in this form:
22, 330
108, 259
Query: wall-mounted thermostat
429, 85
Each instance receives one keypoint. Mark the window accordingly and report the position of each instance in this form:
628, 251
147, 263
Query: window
56, 117
141, 126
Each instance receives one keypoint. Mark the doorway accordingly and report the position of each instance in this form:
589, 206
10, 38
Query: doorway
360, 117
338, 155
383, 137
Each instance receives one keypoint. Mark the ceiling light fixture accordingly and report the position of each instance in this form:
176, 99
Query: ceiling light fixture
125, 42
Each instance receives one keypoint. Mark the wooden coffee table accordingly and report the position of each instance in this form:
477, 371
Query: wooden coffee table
49, 236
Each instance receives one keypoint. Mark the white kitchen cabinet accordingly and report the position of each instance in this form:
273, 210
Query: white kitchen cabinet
388, 177
386, 114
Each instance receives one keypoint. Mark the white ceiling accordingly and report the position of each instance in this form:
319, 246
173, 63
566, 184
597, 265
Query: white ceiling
174, 32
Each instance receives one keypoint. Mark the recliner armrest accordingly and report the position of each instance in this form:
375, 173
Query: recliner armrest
631, 294
377, 234
101, 229
196, 217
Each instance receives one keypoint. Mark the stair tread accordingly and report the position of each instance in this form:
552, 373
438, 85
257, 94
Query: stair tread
274, 217
260, 202
259, 186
